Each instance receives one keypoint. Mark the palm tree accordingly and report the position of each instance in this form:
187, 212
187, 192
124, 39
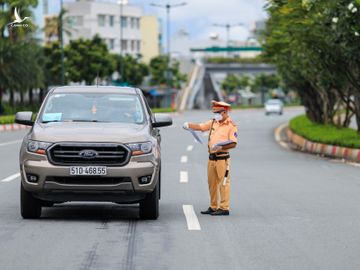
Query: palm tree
53, 26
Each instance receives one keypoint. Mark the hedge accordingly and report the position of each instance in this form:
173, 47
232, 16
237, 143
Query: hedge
326, 134
7, 119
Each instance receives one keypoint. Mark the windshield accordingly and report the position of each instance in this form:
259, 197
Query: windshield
85, 107
273, 102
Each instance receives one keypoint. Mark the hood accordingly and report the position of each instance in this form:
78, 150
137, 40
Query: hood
89, 132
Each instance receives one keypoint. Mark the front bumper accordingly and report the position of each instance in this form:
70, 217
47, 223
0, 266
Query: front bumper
138, 166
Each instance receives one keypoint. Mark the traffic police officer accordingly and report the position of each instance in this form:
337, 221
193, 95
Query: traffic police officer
223, 131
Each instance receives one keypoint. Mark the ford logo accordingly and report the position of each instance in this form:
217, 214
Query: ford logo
88, 154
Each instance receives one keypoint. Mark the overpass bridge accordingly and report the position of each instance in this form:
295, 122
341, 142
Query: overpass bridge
203, 86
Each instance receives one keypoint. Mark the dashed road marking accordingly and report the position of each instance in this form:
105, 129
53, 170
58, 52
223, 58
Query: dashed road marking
184, 159
189, 148
11, 177
191, 218
11, 142
184, 177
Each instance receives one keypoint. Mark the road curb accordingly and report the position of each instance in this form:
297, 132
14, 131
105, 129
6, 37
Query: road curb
332, 151
12, 127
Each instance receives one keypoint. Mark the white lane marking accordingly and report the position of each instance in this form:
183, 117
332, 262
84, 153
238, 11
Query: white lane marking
189, 148
184, 177
11, 177
184, 159
191, 218
11, 142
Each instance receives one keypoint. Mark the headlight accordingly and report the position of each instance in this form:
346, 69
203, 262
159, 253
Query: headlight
140, 148
37, 147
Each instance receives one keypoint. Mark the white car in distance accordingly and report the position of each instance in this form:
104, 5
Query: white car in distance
274, 106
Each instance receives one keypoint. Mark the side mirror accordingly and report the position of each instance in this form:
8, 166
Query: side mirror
24, 118
162, 120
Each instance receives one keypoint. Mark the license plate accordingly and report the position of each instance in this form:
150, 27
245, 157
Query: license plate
88, 170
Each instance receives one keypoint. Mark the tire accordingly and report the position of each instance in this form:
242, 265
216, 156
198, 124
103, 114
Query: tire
149, 207
30, 206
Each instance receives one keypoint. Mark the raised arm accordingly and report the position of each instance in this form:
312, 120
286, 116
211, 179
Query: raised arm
200, 127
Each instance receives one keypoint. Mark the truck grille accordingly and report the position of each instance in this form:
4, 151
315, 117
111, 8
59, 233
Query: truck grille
89, 154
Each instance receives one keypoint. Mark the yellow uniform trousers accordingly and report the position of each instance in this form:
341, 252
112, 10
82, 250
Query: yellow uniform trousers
216, 174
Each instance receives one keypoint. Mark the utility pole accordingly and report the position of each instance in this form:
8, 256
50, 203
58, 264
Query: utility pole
121, 3
228, 28
62, 42
168, 9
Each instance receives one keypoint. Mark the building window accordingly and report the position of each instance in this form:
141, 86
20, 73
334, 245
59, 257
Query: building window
101, 20
74, 21
133, 45
111, 43
124, 21
124, 45
138, 46
132, 22
138, 23
111, 20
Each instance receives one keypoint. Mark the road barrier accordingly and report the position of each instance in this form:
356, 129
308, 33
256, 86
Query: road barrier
333, 151
12, 127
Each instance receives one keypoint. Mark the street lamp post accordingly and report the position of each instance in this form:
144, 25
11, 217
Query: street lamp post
62, 42
121, 3
168, 9
228, 28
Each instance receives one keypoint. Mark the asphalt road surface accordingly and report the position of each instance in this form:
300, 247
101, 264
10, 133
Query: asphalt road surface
289, 210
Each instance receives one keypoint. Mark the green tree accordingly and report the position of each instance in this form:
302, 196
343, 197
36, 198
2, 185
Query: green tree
133, 70
158, 71
7, 9
267, 81
52, 66
315, 45
233, 82
87, 59
53, 26
15, 76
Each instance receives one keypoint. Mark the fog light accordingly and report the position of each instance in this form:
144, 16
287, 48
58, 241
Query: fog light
32, 178
144, 179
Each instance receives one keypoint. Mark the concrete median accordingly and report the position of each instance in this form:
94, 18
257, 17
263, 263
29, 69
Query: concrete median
332, 151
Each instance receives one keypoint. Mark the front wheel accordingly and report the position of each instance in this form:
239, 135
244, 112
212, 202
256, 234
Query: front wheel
30, 206
149, 207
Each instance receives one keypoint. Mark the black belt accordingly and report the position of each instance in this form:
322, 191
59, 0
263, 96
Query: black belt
216, 156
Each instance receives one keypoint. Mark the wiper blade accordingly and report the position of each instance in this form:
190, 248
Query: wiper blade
50, 121
85, 121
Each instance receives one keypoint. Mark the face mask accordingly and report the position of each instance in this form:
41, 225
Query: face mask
218, 116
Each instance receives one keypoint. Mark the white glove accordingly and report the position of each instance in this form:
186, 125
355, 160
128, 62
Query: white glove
186, 126
216, 148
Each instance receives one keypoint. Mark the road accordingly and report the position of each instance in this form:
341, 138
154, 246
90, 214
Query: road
289, 210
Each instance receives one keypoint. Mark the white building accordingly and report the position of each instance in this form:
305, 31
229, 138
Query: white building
39, 12
88, 17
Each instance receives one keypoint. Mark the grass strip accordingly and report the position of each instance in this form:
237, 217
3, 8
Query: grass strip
326, 134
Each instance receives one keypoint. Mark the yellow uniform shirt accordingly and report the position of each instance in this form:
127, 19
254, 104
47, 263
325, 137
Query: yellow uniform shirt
221, 132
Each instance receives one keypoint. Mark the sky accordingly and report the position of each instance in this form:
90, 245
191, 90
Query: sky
198, 16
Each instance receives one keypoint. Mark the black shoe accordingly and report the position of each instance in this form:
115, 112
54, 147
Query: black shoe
209, 211
220, 212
